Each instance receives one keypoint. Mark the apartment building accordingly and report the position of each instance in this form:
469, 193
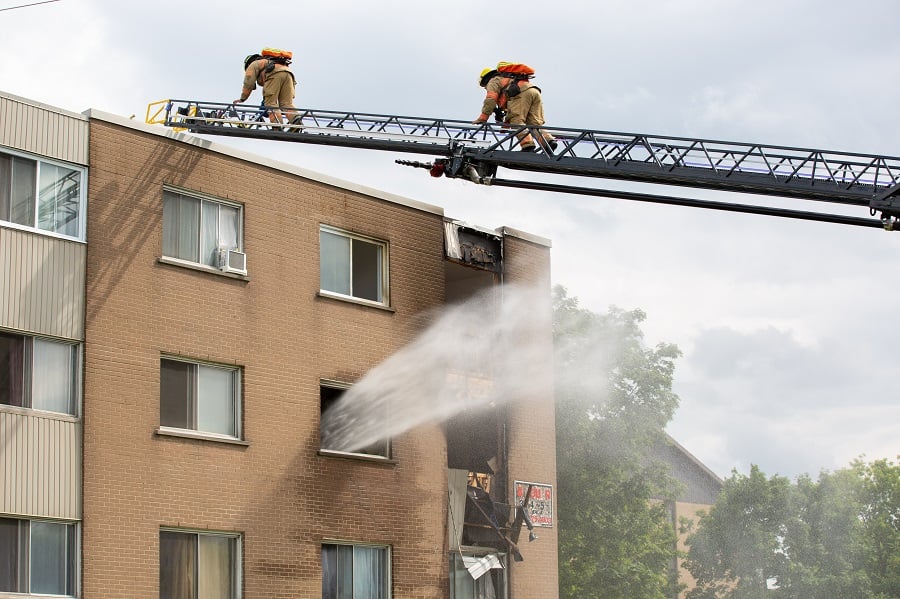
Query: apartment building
177, 314
699, 488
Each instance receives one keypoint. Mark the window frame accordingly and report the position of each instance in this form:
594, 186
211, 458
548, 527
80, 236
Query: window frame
201, 197
82, 171
332, 385
502, 593
30, 377
385, 286
192, 396
25, 557
237, 575
387, 556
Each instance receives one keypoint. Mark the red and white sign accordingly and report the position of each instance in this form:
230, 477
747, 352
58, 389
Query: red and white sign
540, 507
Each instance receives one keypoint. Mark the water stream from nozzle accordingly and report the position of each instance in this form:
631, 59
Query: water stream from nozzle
491, 349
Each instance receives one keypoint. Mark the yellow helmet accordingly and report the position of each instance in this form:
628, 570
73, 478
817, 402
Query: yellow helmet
486, 75
502, 64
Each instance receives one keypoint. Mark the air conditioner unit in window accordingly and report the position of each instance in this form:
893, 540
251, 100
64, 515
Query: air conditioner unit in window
233, 261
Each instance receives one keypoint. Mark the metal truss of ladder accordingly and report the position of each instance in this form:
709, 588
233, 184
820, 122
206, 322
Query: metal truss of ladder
475, 151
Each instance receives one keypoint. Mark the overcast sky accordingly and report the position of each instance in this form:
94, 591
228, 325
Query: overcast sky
788, 328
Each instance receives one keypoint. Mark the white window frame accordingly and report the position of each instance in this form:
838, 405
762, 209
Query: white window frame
202, 198
192, 396
388, 557
32, 375
82, 172
25, 565
236, 575
343, 387
384, 288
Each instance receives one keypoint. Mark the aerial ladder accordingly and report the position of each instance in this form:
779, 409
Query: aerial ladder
476, 152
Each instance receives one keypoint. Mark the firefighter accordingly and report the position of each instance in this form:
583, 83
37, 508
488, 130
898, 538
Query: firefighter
510, 91
271, 72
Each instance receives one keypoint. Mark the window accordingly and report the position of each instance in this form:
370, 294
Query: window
38, 373
197, 229
333, 436
490, 570
353, 266
199, 565
43, 195
355, 572
199, 397
37, 556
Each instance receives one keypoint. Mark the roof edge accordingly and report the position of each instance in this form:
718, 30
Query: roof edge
219, 148
693, 458
531, 237
43, 106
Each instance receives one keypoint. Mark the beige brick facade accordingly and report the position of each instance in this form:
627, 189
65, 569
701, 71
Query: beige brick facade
274, 488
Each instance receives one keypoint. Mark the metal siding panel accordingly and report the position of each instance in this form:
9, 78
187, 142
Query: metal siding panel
40, 466
43, 130
42, 282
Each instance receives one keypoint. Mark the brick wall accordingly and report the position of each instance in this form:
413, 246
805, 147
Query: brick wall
532, 429
283, 497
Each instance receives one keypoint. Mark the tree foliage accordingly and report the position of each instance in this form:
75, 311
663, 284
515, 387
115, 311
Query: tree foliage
838, 536
614, 397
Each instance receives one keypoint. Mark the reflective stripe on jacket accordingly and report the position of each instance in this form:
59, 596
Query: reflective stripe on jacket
496, 94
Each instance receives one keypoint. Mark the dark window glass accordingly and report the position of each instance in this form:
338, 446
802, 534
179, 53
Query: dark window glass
176, 391
177, 559
9, 555
366, 270
12, 370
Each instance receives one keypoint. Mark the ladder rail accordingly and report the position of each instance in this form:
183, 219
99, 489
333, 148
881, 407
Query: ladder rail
814, 174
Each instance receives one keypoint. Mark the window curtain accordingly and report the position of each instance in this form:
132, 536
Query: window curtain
52, 387
337, 572
369, 573
489, 583
209, 233
229, 227
329, 571
177, 559
215, 405
49, 558
12, 369
334, 262
216, 567
462, 585
181, 227
484, 588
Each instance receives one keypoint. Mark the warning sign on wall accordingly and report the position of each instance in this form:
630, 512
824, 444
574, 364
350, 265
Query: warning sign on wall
540, 507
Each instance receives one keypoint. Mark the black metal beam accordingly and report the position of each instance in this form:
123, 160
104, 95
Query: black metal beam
694, 203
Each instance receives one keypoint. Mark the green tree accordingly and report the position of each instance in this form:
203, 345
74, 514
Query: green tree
838, 536
736, 548
614, 397
821, 543
880, 499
